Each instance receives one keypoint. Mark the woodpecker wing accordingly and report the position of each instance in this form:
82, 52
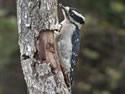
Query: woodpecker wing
75, 49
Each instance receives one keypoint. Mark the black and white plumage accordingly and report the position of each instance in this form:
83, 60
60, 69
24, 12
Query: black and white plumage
69, 41
75, 50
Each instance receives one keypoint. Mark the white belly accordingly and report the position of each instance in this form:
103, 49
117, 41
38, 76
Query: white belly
65, 52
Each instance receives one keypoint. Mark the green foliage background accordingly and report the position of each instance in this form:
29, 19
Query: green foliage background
101, 64
8, 38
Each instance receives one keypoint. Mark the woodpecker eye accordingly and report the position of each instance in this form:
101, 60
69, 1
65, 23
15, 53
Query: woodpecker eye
71, 13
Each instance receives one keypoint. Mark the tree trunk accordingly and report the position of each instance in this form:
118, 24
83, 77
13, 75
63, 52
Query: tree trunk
37, 20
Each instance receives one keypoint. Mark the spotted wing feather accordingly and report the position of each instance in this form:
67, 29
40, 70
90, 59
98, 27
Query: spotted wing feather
75, 50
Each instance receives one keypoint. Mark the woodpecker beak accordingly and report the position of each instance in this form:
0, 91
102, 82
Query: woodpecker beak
65, 10
60, 5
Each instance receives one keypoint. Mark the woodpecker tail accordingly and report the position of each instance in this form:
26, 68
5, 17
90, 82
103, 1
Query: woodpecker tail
67, 78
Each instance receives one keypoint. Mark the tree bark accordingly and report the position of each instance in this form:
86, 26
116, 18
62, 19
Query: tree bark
37, 20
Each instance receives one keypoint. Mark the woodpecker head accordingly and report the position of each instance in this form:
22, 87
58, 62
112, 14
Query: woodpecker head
73, 15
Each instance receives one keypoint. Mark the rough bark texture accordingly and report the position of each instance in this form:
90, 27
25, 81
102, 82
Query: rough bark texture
37, 19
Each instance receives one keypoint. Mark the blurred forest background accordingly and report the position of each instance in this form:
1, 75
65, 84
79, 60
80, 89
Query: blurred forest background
101, 65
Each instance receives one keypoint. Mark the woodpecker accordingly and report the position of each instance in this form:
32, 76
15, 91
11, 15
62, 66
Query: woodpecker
68, 41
